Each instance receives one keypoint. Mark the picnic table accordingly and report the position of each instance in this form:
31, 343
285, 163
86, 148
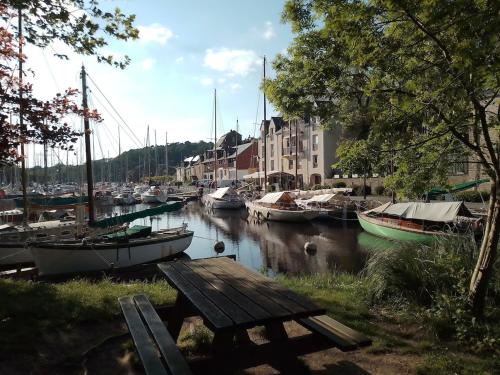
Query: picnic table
232, 299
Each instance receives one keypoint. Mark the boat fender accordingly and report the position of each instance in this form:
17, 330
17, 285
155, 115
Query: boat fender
260, 216
310, 248
219, 247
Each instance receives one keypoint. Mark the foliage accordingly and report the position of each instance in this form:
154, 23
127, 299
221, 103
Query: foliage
418, 80
81, 24
320, 187
379, 190
358, 190
473, 196
435, 280
340, 184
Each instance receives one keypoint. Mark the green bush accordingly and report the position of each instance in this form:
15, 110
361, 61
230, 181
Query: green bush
358, 190
320, 187
473, 196
340, 184
435, 279
379, 190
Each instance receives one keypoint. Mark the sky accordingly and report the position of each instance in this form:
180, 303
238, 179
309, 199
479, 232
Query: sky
186, 49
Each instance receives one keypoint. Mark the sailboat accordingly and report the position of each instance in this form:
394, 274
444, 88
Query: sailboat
418, 221
227, 197
279, 206
96, 253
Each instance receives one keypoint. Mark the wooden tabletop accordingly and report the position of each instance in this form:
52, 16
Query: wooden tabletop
229, 296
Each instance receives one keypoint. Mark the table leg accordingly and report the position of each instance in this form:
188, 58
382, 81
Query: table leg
176, 318
276, 331
222, 342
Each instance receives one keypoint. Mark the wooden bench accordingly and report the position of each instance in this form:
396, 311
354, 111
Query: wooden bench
345, 338
158, 351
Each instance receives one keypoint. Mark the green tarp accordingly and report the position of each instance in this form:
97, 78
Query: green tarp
128, 218
433, 193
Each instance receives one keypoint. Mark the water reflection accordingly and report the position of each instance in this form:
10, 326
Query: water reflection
272, 246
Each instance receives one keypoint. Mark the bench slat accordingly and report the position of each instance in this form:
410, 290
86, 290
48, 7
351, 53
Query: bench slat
149, 357
341, 341
357, 337
173, 357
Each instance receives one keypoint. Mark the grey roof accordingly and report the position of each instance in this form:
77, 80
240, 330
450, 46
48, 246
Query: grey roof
241, 148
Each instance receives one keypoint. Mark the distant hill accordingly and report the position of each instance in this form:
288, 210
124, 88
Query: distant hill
132, 163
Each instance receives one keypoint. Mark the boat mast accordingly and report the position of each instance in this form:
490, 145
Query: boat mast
296, 153
156, 156
265, 133
119, 159
166, 153
88, 155
236, 157
215, 138
21, 119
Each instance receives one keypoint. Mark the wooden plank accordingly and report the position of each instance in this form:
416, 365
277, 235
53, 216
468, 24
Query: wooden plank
357, 337
213, 316
147, 352
233, 294
237, 314
342, 341
241, 275
275, 310
171, 354
301, 300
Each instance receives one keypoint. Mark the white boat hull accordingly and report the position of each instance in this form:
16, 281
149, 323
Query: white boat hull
273, 214
233, 204
53, 261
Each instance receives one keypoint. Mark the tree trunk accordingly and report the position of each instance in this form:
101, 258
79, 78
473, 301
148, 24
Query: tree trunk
487, 253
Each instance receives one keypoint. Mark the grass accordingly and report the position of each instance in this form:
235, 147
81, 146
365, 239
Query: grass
30, 312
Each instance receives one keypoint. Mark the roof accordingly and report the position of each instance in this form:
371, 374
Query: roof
278, 122
282, 196
240, 148
260, 174
192, 159
219, 193
435, 211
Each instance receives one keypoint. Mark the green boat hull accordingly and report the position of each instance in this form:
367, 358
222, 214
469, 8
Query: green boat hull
393, 233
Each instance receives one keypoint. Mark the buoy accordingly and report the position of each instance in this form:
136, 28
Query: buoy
310, 248
219, 247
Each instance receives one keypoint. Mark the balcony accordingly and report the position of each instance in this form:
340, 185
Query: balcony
290, 151
315, 147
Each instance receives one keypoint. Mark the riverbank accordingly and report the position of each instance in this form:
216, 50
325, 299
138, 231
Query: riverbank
77, 326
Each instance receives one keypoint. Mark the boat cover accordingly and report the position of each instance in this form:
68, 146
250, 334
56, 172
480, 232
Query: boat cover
435, 211
326, 198
282, 196
137, 231
219, 193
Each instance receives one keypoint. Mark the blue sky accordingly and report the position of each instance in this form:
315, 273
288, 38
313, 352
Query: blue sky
186, 49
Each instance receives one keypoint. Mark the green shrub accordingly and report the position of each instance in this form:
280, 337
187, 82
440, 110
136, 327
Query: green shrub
340, 184
473, 196
320, 187
358, 190
435, 279
379, 190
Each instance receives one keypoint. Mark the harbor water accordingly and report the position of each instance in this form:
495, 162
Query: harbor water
270, 247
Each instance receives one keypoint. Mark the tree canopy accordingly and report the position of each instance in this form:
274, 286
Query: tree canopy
421, 78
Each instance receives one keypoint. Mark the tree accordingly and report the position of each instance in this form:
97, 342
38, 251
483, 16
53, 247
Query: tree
425, 75
80, 24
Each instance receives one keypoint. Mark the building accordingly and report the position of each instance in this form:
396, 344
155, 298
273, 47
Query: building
296, 150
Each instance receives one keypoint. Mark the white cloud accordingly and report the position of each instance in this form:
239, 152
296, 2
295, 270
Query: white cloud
230, 61
179, 59
206, 81
221, 80
147, 64
268, 31
155, 33
235, 86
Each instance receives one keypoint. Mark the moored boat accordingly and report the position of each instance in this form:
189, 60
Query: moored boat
99, 254
125, 199
418, 221
154, 195
330, 206
279, 207
223, 198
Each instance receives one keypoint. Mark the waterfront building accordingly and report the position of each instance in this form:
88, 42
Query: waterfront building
298, 153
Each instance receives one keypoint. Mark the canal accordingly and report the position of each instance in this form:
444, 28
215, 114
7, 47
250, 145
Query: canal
271, 247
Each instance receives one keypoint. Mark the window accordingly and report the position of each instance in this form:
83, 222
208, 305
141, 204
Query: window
315, 142
290, 163
272, 150
272, 165
315, 161
287, 142
271, 131
263, 151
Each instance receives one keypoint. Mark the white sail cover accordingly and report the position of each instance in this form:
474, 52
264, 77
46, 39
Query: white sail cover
219, 193
436, 211
326, 198
282, 196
